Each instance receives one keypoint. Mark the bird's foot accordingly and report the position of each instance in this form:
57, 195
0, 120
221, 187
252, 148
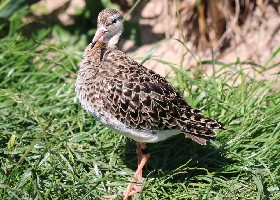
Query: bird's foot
135, 184
135, 187
110, 196
132, 189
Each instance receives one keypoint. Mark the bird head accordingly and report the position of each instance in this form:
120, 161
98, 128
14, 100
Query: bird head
109, 27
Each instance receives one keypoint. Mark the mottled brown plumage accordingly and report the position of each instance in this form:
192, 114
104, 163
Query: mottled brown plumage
115, 88
131, 99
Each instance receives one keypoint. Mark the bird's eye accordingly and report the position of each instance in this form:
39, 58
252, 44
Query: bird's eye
114, 20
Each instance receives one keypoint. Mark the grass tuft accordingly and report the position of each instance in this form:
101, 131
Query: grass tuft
51, 149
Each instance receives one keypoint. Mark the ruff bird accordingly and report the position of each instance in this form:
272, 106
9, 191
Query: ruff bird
132, 100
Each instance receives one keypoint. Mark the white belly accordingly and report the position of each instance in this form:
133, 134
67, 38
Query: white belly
149, 136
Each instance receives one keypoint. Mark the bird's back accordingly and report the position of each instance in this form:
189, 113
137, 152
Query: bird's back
117, 90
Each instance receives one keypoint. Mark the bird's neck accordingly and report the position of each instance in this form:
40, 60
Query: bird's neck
113, 41
95, 51
92, 54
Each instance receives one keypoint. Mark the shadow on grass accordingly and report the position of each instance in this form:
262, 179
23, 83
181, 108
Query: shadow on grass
178, 157
85, 22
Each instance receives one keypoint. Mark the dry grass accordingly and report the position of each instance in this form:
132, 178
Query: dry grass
51, 149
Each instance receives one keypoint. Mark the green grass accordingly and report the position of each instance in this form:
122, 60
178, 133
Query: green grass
51, 149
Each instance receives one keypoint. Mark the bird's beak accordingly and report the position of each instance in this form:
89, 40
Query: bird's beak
99, 33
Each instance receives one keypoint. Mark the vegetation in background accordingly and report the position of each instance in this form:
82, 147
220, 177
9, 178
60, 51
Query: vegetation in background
51, 149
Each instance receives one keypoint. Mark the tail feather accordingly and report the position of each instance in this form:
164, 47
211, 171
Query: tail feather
199, 140
200, 130
200, 135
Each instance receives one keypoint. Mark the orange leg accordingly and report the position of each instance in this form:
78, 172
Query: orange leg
135, 186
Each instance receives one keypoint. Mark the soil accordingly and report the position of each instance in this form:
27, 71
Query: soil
253, 41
